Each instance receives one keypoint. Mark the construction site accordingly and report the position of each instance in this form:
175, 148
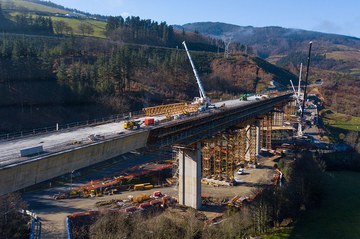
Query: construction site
226, 168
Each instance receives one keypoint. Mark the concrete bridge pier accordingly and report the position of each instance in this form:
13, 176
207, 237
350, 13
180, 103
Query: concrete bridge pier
189, 175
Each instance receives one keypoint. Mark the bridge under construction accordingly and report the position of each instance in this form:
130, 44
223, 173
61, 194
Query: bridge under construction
208, 145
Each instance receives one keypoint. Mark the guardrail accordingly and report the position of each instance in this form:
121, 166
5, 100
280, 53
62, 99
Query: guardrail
69, 126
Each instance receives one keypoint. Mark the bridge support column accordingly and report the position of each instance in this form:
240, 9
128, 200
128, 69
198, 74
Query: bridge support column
190, 176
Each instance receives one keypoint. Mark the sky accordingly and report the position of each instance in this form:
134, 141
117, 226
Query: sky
330, 16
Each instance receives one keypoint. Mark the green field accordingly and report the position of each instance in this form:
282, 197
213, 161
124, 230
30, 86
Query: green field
99, 26
36, 9
29, 6
341, 121
338, 216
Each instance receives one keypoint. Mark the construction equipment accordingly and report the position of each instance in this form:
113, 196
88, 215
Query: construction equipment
302, 108
298, 102
306, 81
131, 124
243, 97
203, 100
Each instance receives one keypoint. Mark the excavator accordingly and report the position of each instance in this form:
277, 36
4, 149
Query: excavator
203, 101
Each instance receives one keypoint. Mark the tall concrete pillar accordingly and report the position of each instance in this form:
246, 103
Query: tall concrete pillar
190, 176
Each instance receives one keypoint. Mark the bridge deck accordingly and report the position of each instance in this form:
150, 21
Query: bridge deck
64, 140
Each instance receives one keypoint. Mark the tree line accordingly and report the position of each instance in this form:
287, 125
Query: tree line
140, 31
26, 23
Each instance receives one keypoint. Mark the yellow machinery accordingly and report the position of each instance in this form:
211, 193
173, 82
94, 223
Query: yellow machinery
131, 124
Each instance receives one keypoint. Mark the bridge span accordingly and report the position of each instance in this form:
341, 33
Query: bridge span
67, 151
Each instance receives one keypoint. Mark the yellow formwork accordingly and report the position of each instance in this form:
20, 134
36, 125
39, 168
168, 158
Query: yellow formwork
171, 109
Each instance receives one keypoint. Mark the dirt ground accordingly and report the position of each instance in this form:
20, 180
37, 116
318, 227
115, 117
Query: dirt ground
53, 212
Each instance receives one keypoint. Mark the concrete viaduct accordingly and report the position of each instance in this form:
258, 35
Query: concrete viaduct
186, 135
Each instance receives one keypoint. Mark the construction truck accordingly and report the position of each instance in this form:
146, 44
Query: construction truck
203, 101
131, 124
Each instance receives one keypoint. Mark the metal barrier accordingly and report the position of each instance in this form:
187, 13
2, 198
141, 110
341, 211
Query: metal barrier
35, 232
73, 125
68, 228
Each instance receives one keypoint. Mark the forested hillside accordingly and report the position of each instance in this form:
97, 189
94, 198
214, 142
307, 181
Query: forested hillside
47, 77
335, 58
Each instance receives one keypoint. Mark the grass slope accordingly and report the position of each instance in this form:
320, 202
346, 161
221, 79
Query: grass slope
341, 121
339, 215
99, 26
30, 6
38, 9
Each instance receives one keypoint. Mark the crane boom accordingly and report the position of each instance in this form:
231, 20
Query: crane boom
300, 79
306, 79
203, 96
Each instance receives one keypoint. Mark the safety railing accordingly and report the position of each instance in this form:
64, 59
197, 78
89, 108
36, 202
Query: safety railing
70, 126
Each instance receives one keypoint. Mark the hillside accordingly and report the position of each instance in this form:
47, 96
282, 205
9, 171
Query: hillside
21, 17
270, 41
134, 63
68, 80
335, 58
284, 46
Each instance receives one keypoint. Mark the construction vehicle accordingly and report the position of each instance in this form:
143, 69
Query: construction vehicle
131, 124
203, 101
243, 97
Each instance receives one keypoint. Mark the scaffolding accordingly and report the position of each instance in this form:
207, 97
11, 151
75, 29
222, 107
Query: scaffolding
278, 118
268, 134
290, 109
206, 153
222, 153
217, 160
242, 145
230, 158
251, 144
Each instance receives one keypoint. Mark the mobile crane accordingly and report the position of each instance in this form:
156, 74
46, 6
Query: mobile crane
202, 100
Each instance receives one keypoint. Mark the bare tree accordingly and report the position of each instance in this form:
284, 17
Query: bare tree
86, 28
12, 223
60, 26
68, 30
